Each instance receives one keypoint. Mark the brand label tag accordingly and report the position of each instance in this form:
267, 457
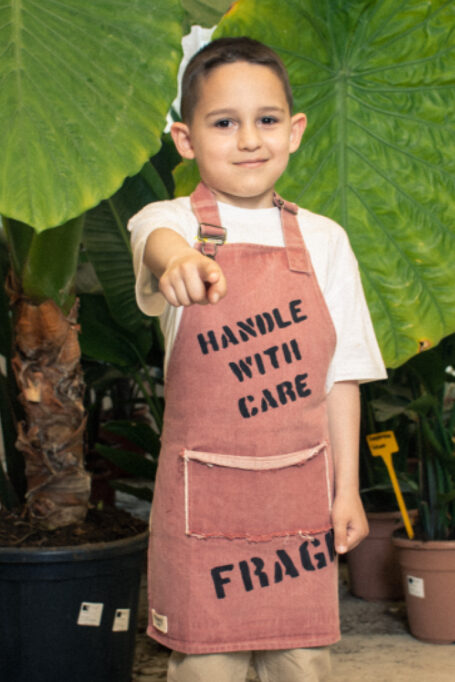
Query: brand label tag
159, 621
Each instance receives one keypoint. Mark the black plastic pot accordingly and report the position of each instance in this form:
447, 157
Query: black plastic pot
70, 613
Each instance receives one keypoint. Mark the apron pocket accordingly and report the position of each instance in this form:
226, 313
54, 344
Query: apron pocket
257, 498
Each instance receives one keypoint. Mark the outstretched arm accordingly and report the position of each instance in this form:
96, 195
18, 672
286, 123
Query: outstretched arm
348, 516
185, 275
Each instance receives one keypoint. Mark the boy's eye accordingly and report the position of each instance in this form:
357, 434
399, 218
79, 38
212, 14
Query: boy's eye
268, 120
223, 123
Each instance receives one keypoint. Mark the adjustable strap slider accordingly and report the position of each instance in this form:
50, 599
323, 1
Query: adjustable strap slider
211, 237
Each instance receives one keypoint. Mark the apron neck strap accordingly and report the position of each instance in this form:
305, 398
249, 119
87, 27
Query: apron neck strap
298, 257
204, 205
212, 235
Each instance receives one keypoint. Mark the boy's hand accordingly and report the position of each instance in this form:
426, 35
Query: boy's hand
349, 522
191, 278
185, 275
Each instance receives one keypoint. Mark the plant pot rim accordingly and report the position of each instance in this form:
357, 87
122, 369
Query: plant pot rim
87, 552
407, 543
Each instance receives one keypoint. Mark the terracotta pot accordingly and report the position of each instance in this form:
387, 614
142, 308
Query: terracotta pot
374, 572
428, 573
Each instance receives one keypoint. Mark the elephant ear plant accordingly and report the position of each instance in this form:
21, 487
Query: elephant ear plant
85, 91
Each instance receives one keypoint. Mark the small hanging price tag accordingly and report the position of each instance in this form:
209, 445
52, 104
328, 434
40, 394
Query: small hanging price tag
383, 443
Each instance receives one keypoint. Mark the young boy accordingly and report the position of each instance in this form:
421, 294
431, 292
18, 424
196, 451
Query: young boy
257, 486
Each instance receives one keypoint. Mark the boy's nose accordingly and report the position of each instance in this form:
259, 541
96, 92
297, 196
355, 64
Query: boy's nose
248, 137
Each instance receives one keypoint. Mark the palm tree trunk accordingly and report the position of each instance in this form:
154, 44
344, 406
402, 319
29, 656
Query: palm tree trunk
46, 362
48, 372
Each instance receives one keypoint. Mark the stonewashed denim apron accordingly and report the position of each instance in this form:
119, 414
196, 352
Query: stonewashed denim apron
241, 551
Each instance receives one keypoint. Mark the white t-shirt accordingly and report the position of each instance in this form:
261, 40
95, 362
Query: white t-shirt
357, 355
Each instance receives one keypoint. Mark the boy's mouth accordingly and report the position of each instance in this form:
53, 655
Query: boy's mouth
250, 163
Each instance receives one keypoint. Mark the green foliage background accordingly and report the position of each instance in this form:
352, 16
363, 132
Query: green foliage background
86, 87
376, 79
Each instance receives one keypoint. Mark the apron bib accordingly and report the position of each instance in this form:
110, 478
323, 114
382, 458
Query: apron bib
241, 552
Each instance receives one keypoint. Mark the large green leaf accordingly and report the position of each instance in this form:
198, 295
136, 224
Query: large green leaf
107, 244
106, 241
377, 82
106, 238
110, 255
85, 88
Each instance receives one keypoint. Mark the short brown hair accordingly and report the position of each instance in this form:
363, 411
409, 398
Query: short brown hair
227, 51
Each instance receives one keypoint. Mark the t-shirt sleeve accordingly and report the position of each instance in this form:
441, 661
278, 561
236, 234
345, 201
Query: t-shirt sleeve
175, 215
357, 356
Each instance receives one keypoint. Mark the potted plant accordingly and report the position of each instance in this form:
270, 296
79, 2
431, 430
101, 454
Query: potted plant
82, 596
373, 568
428, 560
83, 107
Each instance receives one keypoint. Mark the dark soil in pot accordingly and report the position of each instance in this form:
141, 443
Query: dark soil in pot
101, 525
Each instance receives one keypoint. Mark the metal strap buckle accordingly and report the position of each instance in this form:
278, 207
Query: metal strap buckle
211, 237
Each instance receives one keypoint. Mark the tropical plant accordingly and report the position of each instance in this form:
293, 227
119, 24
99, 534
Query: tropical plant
375, 485
423, 393
122, 348
85, 91
377, 82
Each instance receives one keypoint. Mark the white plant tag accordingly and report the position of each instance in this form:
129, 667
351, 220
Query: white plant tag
416, 586
159, 621
90, 614
121, 620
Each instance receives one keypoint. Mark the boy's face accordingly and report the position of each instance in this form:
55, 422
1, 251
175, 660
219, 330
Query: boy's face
241, 133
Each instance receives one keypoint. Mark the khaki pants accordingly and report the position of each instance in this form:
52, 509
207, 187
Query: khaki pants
290, 665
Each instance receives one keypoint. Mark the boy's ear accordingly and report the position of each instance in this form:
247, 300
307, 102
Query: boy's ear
180, 133
298, 125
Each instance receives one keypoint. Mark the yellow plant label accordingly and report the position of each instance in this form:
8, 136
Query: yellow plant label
382, 443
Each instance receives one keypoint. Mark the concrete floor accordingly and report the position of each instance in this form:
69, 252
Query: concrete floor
375, 647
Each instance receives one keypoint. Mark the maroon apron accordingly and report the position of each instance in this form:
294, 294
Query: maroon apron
241, 550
